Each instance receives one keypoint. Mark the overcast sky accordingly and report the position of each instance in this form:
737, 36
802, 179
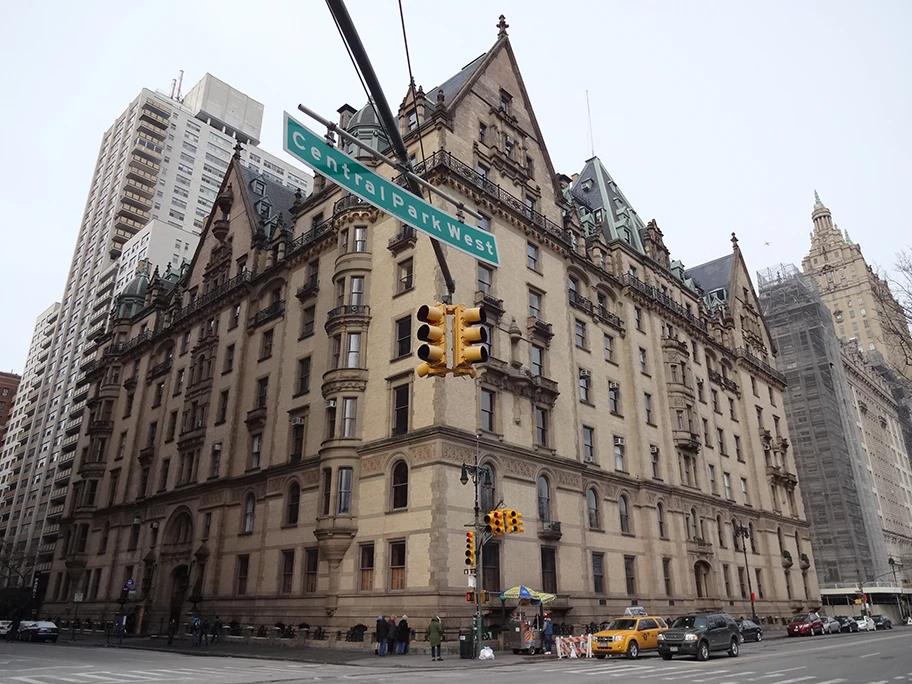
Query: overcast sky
712, 116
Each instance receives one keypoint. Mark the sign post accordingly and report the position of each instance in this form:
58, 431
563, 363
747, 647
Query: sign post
348, 173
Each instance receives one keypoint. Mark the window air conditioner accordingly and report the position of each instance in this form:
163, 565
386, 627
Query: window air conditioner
614, 385
585, 373
653, 449
618, 441
330, 403
296, 420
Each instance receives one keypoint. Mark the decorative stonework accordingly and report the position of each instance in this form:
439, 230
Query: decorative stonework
276, 484
374, 464
521, 468
569, 480
422, 453
311, 478
212, 498
452, 452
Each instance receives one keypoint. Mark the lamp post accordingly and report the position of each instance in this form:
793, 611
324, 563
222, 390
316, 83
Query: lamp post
892, 562
480, 477
744, 533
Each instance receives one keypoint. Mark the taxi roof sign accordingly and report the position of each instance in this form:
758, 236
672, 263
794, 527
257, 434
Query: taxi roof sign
635, 611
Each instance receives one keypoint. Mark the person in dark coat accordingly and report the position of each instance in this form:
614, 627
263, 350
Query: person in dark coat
172, 631
382, 635
403, 635
391, 635
434, 636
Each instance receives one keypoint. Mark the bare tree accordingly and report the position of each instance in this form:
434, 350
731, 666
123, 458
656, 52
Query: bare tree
893, 294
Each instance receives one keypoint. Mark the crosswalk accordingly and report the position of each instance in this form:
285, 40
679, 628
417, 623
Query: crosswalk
705, 673
265, 672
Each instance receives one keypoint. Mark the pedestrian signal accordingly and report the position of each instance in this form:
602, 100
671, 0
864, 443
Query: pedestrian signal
433, 334
470, 597
470, 549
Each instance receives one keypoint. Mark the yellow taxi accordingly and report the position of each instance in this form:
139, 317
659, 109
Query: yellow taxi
629, 635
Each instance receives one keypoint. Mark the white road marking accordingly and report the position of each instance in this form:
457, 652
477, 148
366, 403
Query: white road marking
779, 672
868, 655
794, 680
832, 681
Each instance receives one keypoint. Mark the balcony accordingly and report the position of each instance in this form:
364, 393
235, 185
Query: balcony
77, 408
101, 427
152, 129
538, 328
723, 381
69, 443
405, 238
65, 459
654, 294
686, 440
81, 392
146, 454
759, 365
348, 312
140, 189
135, 199
549, 530
158, 370
700, 547
126, 228
131, 212
154, 114
59, 493
50, 529
61, 479
274, 310
72, 426
322, 229
493, 306
45, 549
55, 511
214, 295
143, 164
308, 289
256, 418
141, 175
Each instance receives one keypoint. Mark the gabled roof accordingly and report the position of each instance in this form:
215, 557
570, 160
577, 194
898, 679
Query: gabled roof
454, 84
279, 197
713, 274
611, 211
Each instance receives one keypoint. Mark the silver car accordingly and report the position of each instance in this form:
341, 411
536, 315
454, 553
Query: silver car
830, 625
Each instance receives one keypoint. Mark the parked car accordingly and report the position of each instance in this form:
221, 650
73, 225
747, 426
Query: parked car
831, 625
750, 630
847, 623
628, 636
699, 635
5, 626
882, 622
865, 623
805, 625
38, 631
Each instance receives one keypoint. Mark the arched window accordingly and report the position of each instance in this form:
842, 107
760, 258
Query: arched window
400, 485
721, 530
692, 523
781, 540
544, 499
660, 516
592, 505
292, 504
750, 530
249, 511
184, 530
624, 513
488, 494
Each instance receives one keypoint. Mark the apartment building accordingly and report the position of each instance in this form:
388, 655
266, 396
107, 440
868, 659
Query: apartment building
259, 446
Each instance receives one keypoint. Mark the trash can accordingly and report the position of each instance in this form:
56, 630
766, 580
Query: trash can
466, 645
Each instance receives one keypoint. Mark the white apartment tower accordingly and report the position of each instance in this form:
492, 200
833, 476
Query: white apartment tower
161, 161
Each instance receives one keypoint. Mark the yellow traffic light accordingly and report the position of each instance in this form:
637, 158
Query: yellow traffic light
494, 523
512, 521
469, 339
484, 596
470, 549
517, 525
433, 333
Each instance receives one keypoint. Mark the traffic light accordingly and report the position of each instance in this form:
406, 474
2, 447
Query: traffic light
514, 521
469, 338
433, 334
484, 596
494, 523
470, 549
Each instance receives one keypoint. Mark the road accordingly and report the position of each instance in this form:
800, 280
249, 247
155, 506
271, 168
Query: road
879, 658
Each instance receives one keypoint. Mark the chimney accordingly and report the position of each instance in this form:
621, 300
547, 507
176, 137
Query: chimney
345, 114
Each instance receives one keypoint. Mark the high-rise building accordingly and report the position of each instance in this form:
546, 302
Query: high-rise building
860, 301
259, 445
9, 383
848, 444
162, 159
158, 245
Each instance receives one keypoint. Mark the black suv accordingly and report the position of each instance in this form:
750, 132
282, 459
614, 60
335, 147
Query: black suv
699, 635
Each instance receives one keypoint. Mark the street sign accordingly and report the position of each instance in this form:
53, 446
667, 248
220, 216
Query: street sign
77, 597
345, 171
471, 582
469, 571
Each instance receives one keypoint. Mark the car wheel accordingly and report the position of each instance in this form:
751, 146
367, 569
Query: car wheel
633, 650
733, 648
703, 651
601, 656
759, 637
666, 656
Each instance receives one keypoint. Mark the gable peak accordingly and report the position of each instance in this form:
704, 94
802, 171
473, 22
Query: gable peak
502, 27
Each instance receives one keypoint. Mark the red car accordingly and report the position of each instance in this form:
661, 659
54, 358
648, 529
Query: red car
806, 625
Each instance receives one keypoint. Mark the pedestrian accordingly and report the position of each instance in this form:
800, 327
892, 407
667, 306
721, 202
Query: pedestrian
195, 631
204, 631
172, 630
403, 634
434, 635
548, 634
392, 635
382, 635
216, 630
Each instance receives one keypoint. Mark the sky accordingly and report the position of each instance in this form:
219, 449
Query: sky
712, 116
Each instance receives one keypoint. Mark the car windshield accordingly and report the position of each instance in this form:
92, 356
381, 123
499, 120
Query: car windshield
623, 623
689, 622
747, 624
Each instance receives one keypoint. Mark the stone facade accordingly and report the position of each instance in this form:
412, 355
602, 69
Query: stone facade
259, 446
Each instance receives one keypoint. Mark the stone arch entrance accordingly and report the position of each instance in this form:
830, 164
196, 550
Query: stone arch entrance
180, 580
702, 579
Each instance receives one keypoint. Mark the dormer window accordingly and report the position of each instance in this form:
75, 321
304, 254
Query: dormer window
413, 120
264, 210
259, 187
509, 144
506, 101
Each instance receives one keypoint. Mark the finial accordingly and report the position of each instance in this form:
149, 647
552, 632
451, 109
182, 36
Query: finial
817, 202
502, 27
734, 241
237, 149
847, 238
440, 97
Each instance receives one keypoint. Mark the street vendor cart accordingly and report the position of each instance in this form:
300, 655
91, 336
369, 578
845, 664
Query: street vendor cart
524, 628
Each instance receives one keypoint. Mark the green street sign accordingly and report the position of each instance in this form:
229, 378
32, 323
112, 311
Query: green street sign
343, 170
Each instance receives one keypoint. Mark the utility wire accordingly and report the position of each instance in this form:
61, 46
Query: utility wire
408, 61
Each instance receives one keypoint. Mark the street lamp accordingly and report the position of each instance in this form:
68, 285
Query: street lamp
892, 561
744, 533
481, 477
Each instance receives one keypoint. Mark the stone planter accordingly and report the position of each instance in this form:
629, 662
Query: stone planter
787, 562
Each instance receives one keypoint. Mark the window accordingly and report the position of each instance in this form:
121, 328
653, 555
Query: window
215, 460
593, 506
400, 486
731, 409
588, 444
541, 426
303, 379
598, 573
298, 433
397, 566
311, 563
638, 318
532, 256
614, 398
405, 278
654, 453
630, 574
349, 416
308, 316
741, 583
758, 573
712, 479
487, 410
266, 344
580, 334
360, 238
666, 575
163, 474
262, 391
485, 277
353, 351
647, 403
660, 518
287, 570
229, 359
609, 348
720, 438
243, 567
544, 499
715, 400
754, 386
738, 448
584, 383
726, 577
345, 491
548, 570
249, 514
744, 495
401, 409
643, 365
256, 449
326, 491
619, 454
538, 360
482, 132
535, 304
403, 337
726, 483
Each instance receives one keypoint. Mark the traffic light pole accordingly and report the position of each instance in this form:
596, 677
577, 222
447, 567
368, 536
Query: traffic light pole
479, 572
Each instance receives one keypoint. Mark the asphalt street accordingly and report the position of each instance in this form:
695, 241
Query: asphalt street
878, 658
